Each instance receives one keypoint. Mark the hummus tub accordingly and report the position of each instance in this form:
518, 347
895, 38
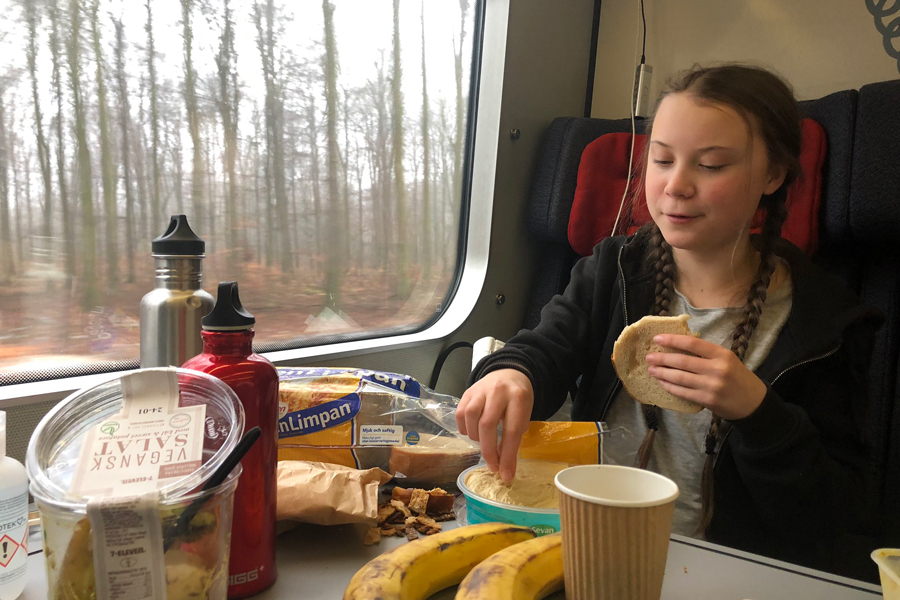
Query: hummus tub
482, 510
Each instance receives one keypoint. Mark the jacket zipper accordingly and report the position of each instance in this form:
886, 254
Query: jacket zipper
777, 377
625, 309
808, 360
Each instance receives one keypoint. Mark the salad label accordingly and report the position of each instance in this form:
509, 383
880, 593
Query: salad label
128, 547
151, 440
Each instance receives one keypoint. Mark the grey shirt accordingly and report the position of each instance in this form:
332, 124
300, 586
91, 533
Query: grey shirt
678, 450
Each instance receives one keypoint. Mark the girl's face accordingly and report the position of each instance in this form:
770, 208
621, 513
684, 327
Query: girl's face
705, 175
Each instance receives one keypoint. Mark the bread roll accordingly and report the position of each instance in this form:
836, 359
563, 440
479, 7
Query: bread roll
629, 359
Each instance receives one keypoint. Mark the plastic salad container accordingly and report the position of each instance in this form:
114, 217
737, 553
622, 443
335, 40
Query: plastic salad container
543, 521
196, 566
196, 561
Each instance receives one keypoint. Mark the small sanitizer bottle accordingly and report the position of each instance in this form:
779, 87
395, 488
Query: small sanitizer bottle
13, 522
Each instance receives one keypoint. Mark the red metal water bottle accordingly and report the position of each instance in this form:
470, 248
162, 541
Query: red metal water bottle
227, 354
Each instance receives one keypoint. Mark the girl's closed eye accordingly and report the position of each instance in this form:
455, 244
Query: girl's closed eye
713, 168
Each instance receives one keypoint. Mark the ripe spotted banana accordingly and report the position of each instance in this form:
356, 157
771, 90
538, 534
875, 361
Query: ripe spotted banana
418, 569
528, 571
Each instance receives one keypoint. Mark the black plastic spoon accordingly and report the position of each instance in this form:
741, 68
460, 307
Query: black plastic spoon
218, 476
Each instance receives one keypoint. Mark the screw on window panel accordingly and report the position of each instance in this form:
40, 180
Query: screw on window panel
501, 299
514, 134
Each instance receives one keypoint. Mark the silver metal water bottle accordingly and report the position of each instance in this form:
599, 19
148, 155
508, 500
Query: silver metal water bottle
171, 313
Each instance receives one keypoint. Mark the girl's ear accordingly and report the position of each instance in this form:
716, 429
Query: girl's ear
776, 177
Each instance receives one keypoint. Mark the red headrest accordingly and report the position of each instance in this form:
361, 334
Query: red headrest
604, 168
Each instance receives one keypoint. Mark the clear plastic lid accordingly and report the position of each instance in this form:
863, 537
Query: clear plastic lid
56, 442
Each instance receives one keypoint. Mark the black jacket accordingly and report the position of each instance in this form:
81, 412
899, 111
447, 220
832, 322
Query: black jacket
792, 477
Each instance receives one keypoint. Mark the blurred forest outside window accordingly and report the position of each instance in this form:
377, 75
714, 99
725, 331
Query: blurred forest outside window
316, 146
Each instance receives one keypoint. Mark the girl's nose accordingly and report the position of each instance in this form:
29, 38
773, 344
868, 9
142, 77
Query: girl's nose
680, 184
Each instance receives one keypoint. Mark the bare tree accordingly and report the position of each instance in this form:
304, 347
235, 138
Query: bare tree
359, 123
383, 158
173, 144
257, 185
345, 188
140, 169
292, 159
67, 213
208, 122
7, 264
458, 138
414, 144
198, 169
124, 124
264, 18
171, 170
73, 50
313, 131
29, 223
19, 152
107, 163
403, 283
155, 214
378, 158
228, 99
16, 148
43, 150
373, 163
335, 244
426, 162
447, 186
361, 245
265, 212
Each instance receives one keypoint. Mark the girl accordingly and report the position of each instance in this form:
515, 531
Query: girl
775, 463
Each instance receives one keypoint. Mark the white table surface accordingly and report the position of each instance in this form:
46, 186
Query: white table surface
316, 563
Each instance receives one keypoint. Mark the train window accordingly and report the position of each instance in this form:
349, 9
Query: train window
319, 148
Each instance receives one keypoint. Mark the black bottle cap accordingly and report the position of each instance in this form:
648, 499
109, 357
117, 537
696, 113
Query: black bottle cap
228, 314
179, 239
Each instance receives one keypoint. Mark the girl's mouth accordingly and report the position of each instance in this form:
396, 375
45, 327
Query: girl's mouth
681, 219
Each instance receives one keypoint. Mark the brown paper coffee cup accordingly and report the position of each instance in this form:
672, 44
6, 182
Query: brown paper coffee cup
615, 527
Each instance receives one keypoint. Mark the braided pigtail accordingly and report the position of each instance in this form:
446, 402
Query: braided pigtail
663, 264
776, 213
664, 267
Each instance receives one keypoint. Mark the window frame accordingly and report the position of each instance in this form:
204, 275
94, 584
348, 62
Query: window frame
479, 175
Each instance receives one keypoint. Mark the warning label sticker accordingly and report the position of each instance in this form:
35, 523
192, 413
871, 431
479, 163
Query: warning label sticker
8, 548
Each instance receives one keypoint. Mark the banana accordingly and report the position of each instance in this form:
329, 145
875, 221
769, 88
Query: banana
527, 571
420, 568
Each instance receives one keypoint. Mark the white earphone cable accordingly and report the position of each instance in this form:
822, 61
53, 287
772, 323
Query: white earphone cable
631, 150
